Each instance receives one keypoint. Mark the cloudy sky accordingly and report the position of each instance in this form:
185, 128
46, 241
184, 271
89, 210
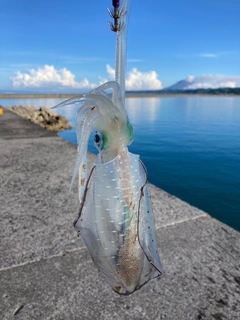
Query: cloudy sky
65, 46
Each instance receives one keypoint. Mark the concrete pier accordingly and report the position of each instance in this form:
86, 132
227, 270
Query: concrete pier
46, 272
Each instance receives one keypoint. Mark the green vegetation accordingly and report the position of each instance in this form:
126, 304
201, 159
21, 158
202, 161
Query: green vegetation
163, 92
219, 91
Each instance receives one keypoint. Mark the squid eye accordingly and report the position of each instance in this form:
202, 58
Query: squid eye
96, 138
98, 141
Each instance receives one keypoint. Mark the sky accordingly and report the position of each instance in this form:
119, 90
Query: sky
67, 46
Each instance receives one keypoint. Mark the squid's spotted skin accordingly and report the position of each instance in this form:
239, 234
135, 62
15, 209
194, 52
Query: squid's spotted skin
115, 218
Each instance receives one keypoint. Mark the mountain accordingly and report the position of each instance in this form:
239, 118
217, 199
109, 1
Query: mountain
206, 82
185, 84
180, 85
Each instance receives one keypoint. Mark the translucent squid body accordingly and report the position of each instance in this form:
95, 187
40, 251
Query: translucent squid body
115, 218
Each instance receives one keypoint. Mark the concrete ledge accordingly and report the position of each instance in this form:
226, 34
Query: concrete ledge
11, 127
46, 272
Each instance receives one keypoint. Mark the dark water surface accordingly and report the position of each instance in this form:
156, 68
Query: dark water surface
190, 146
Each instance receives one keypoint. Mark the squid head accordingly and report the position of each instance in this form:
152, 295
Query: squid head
113, 131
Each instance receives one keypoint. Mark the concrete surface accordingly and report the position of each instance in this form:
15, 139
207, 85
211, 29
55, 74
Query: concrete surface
46, 272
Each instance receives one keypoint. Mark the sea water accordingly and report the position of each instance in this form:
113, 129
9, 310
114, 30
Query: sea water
190, 146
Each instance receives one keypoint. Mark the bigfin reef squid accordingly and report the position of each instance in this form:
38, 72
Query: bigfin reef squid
115, 218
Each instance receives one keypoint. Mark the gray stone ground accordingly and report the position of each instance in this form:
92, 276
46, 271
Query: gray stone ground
46, 272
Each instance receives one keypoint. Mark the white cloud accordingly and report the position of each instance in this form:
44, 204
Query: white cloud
212, 81
134, 60
217, 54
49, 76
190, 79
209, 55
110, 72
137, 80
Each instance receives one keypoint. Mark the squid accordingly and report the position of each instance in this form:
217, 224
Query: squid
115, 219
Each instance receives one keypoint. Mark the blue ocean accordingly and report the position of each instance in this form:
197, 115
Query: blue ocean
190, 146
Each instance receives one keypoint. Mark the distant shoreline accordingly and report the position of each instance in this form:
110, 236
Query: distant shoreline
128, 95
